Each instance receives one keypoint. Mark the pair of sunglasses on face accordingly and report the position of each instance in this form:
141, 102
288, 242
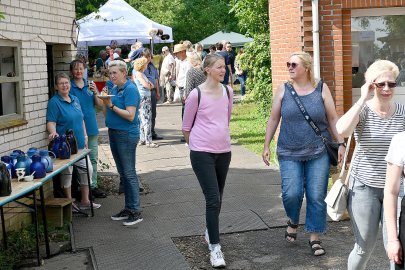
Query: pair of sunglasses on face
383, 84
292, 65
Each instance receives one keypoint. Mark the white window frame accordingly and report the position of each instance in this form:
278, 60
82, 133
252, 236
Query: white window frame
378, 12
10, 120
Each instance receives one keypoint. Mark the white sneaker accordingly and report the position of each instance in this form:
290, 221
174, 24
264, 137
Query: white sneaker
207, 239
216, 257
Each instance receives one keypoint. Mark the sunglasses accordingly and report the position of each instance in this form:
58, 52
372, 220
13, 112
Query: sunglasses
292, 65
383, 84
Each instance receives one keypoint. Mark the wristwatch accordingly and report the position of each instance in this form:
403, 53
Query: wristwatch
112, 107
342, 143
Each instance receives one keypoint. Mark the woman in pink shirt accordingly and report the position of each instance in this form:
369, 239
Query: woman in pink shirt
206, 130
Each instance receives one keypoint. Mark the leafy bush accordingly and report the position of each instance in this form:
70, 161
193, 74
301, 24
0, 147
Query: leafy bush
254, 22
256, 60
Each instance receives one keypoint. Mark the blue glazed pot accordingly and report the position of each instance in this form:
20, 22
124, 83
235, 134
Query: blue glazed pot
23, 162
37, 167
47, 160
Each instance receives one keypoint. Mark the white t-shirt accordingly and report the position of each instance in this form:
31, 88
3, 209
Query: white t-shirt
396, 152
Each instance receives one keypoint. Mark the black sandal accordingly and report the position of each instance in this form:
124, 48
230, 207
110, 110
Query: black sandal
315, 246
291, 235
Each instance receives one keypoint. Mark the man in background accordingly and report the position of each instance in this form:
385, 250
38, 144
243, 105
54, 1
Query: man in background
167, 74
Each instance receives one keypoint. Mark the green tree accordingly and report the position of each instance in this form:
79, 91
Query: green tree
254, 21
85, 7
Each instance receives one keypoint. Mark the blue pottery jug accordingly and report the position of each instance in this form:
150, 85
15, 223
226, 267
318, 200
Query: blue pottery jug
37, 167
32, 151
23, 162
53, 146
10, 166
47, 160
63, 148
13, 157
19, 152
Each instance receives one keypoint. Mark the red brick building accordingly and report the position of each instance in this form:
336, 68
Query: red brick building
352, 34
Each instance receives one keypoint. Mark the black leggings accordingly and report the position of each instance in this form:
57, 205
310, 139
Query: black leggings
401, 233
211, 170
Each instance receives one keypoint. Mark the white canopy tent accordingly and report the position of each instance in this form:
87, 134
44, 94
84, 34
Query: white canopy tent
117, 20
236, 39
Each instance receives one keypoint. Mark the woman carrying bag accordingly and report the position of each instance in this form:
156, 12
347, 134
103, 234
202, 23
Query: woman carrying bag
378, 118
304, 160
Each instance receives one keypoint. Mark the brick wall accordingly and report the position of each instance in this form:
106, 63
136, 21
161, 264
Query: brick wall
33, 25
292, 30
285, 35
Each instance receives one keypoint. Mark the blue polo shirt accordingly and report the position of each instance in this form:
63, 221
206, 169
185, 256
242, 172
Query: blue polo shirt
66, 115
128, 95
88, 105
152, 74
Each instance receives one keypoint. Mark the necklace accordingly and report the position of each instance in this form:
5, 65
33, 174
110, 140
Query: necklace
384, 114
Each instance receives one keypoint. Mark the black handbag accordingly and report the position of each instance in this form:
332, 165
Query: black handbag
331, 146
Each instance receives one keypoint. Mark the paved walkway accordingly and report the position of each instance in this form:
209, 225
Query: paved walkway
175, 208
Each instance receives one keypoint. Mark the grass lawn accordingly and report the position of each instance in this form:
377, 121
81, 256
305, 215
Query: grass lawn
248, 128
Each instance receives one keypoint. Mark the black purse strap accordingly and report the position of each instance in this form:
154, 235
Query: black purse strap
302, 109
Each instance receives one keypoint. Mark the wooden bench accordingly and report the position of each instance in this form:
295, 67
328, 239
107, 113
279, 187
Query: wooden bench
58, 211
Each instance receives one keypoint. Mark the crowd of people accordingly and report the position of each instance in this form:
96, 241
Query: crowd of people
203, 82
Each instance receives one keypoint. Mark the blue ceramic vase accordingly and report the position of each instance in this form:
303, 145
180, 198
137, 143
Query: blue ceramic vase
37, 167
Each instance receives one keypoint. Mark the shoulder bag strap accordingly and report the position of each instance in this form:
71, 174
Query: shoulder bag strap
302, 109
198, 104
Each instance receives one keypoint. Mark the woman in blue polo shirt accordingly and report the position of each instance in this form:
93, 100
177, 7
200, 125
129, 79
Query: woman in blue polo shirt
86, 92
123, 131
64, 112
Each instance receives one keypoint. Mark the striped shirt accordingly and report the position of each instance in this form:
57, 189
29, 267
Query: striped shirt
369, 165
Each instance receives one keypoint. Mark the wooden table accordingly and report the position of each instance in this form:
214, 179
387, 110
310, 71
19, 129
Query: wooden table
22, 189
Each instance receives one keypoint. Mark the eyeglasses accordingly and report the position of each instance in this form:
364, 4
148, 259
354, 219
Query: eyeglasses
292, 65
383, 84
63, 83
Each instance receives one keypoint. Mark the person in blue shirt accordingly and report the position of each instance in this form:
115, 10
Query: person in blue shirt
64, 112
121, 111
86, 92
153, 76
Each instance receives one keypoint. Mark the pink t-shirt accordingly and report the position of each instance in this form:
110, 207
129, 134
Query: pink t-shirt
210, 132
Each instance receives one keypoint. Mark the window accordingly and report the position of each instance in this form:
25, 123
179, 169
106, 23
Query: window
10, 84
377, 34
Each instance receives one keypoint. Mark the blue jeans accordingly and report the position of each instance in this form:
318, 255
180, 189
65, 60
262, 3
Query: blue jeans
311, 177
123, 148
242, 81
367, 213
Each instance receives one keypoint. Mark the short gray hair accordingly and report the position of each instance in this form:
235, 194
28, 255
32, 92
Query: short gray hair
120, 64
379, 68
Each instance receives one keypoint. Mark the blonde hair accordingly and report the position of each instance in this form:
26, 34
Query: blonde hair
194, 59
120, 64
379, 68
140, 63
306, 60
